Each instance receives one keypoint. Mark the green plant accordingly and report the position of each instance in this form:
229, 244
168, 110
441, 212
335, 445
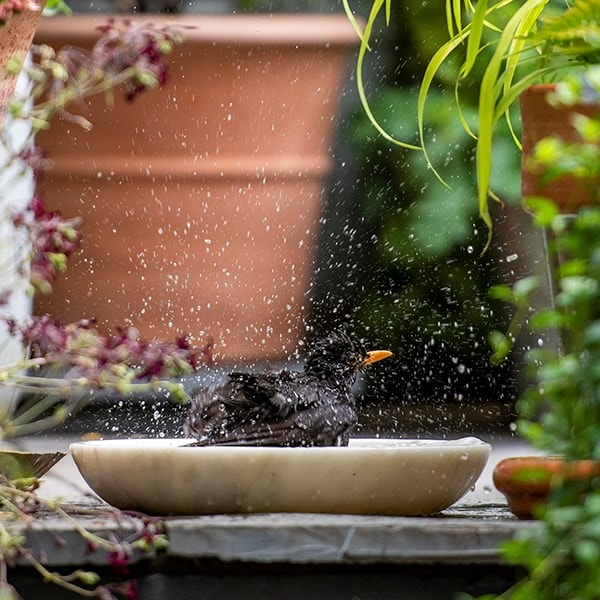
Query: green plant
501, 47
560, 413
21, 506
62, 364
553, 158
428, 290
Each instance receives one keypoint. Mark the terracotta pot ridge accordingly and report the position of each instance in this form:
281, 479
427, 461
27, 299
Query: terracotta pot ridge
245, 30
221, 168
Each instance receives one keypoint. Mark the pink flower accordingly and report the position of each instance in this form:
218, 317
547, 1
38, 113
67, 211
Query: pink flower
9, 7
118, 562
139, 47
53, 240
83, 351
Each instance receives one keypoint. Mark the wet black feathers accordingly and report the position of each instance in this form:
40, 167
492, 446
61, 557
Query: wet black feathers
313, 407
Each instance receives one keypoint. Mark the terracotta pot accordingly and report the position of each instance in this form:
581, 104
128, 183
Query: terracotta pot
15, 40
15, 464
201, 201
527, 481
18, 189
540, 120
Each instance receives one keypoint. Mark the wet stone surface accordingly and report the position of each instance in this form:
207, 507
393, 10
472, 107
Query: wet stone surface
464, 534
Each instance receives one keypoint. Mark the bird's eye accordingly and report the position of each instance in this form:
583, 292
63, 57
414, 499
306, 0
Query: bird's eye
354, 361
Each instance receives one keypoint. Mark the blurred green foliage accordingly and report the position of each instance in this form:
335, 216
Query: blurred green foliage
426, 295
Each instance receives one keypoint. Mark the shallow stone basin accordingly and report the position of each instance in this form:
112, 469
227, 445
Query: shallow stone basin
369, 477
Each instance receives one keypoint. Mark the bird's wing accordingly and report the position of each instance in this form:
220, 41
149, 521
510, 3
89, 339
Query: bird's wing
244, 400
270, 394
325, 425
273, 409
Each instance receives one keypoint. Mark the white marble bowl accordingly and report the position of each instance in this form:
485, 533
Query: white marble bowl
369, 477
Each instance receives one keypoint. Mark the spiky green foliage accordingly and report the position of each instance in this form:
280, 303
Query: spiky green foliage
503, 48
575, 32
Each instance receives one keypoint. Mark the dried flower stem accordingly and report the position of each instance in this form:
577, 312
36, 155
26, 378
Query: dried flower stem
63, 364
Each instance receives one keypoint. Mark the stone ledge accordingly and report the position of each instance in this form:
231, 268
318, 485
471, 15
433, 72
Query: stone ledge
464, 535
343, 539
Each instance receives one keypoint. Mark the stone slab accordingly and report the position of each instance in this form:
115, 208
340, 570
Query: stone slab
343, 539
470, 535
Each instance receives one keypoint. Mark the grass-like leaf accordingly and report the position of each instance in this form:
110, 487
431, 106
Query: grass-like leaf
365, 37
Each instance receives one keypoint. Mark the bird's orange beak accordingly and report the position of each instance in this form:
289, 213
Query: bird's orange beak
374, 356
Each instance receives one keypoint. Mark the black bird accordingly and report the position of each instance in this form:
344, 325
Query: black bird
313, 407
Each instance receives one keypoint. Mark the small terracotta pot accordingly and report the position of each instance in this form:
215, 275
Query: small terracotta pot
527, 481
541, 120
17, 34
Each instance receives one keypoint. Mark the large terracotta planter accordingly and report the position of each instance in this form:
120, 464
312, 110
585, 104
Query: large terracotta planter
539, 120
201, 201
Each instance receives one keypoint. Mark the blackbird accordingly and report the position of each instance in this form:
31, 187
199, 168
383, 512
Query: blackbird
313, 407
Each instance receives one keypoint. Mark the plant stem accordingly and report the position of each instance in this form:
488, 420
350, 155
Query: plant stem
59, 580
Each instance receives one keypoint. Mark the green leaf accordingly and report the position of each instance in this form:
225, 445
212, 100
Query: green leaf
533, 432
592, 334
544, 210
488, 98
433, 67
474, 39
573, 267
502, 292
546, 319
592, 504
365, 36
567, 515
588, 128
519, 552
501, 346
577, 289
354, 23
523, 288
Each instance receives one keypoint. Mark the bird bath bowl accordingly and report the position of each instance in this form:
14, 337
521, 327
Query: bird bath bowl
369, 477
